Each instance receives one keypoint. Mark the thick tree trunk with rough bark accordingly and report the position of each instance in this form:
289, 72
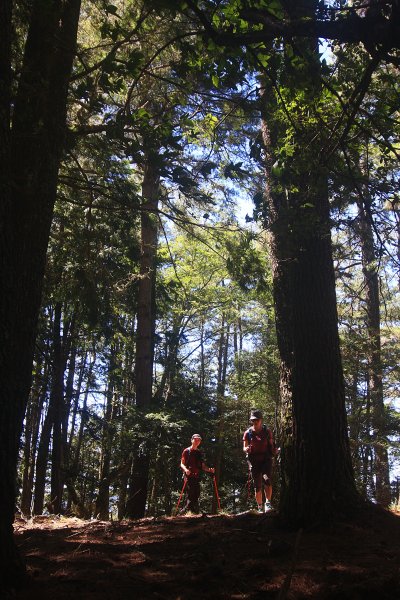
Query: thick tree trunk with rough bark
317, 476
136, 504
11, 408
146, 300
30, 156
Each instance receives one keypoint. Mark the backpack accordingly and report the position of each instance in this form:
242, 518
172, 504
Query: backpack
250, 431
268, 432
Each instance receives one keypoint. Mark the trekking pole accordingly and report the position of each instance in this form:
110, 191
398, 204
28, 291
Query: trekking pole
216, 492
248, 485
183, 489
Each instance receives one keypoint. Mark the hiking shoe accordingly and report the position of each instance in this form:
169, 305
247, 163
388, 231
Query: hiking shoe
260, 508
267, 506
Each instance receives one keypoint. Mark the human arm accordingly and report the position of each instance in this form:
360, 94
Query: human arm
185, 468
246, 443
207, 469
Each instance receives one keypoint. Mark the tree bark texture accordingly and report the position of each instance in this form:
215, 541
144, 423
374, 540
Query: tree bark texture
316, 465
317, 476
136, 504
146, 301
32, 425
53, 425
57, 399
75, 451
375, 368
103, 498
30, 156
166, 386
71, 402
221, 387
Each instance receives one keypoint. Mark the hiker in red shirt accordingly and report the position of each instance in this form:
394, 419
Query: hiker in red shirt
258, 443
192, 464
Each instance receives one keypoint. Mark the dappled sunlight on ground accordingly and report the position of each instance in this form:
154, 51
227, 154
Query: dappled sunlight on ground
246, 556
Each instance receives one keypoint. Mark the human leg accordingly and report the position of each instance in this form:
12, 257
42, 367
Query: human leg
256, 475
268, 491
193, 493
267, 481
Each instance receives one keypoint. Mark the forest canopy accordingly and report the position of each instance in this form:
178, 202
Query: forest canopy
201, 216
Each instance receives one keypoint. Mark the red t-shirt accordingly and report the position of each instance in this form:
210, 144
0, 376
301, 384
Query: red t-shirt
261, 443
192, 459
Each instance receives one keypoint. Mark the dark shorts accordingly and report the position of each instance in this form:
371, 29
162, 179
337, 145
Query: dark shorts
258, 469
193, 493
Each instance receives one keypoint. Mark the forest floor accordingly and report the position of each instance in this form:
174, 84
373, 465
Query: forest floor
236, 557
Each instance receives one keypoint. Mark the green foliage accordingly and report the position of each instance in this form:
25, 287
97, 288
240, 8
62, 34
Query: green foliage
246, 262
146, 90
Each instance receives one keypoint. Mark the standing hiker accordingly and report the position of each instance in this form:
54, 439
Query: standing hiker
192, 464
259, 445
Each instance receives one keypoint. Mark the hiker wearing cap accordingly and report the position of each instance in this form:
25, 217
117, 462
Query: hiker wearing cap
260, 449
192, 464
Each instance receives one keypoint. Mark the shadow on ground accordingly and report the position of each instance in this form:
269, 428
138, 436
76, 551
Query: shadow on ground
245, 556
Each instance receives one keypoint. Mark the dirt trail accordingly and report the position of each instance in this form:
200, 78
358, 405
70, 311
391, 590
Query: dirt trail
245, 556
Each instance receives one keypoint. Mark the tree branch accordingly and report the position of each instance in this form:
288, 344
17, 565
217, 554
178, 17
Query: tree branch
349, 28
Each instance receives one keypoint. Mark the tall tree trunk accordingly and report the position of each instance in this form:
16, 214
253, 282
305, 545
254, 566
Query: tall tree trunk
146, 301
238, 348
57, 400
123, 488
103, 498
354, 412
221, 387
41, 462
66, 402
166, 386
75, 455
317, 476
157, 469
11, 405
368, 458
33, 416
167, 479
74, 396
30, 158
238, 353
51, 423
136, 504
396, 211
27, 471
202, 374
375, 369
126, 467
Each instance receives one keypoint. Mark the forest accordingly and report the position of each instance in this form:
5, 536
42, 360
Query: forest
200, 215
